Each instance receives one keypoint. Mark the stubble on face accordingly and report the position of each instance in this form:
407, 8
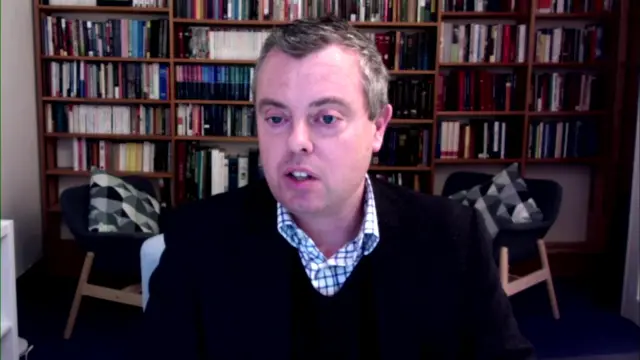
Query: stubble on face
304, 92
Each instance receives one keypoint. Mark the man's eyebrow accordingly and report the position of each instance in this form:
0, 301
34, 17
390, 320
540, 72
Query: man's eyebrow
271, 102
328, 101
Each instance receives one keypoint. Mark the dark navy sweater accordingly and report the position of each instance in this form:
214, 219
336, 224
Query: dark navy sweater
228, 286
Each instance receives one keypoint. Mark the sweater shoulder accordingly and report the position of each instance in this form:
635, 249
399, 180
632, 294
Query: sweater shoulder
218, 216
431, 222
422, 206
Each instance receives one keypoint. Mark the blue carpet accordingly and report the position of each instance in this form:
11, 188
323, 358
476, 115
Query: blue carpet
106, 330
584, 328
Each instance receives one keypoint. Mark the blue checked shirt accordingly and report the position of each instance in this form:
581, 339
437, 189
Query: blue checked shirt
328, 275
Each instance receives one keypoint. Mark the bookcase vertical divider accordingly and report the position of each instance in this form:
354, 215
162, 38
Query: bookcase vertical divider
531, 36
434, 125
172, 104
40, 119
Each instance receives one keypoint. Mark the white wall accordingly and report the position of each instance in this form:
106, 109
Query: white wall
20, 182
631, 287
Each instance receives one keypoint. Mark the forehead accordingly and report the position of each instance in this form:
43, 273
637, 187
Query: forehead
332, 71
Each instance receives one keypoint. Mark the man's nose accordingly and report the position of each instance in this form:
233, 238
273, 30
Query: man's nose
300, 137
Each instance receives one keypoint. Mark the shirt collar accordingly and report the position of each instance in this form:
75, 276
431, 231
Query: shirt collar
367, 237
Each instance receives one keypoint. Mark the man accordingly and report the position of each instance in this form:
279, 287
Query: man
320, 261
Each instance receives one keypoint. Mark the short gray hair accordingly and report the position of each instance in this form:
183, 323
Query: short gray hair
303, 37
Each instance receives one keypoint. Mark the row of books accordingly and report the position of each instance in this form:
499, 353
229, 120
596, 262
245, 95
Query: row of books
107, 119
404, 147
214, 82
460, 43
477, 139
478, 90
563, 139
206, 171
217, 9
285, 10
571, 91
110, 38
202, 42
561, 44
105, 80
120, 156
412, 98
215, 120
482, 5
492, 139
543, 6
482, 43
574, 6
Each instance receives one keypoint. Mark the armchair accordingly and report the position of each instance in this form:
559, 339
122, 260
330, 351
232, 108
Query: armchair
113, 252
518, 242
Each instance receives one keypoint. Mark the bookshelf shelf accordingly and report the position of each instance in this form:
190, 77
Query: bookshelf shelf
105, 101
569, 65
213, 102
513, 72
214, 61
576, 161
271, 23
71, 172
566, 113
481, 113
109, 136
573, 16
412, 72
102, 9
482, 15
231, 139
411, 121
103, 59
398, 168
483, 65
475, 161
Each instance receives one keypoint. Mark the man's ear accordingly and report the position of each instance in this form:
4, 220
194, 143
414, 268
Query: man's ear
381, 123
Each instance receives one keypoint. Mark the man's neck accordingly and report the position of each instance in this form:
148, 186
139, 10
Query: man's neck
333, 230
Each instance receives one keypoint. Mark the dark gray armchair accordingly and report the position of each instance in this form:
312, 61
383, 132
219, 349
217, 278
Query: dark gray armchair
115, 253
519, 242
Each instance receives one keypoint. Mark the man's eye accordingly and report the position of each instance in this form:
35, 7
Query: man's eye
328, 119
275, 119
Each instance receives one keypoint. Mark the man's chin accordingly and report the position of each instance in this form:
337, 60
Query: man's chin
303, 206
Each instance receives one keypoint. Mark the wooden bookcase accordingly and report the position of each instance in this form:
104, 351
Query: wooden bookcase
520, 116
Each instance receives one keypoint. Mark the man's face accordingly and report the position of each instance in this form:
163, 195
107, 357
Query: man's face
315, 136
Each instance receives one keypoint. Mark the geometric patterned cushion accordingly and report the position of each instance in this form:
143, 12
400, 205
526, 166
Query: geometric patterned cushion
502, 200
117, 207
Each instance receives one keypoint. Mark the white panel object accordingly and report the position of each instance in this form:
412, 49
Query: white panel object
9, 315
631, 287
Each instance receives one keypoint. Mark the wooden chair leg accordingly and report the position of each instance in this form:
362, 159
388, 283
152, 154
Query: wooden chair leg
82, 282
504, 268
542, 249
